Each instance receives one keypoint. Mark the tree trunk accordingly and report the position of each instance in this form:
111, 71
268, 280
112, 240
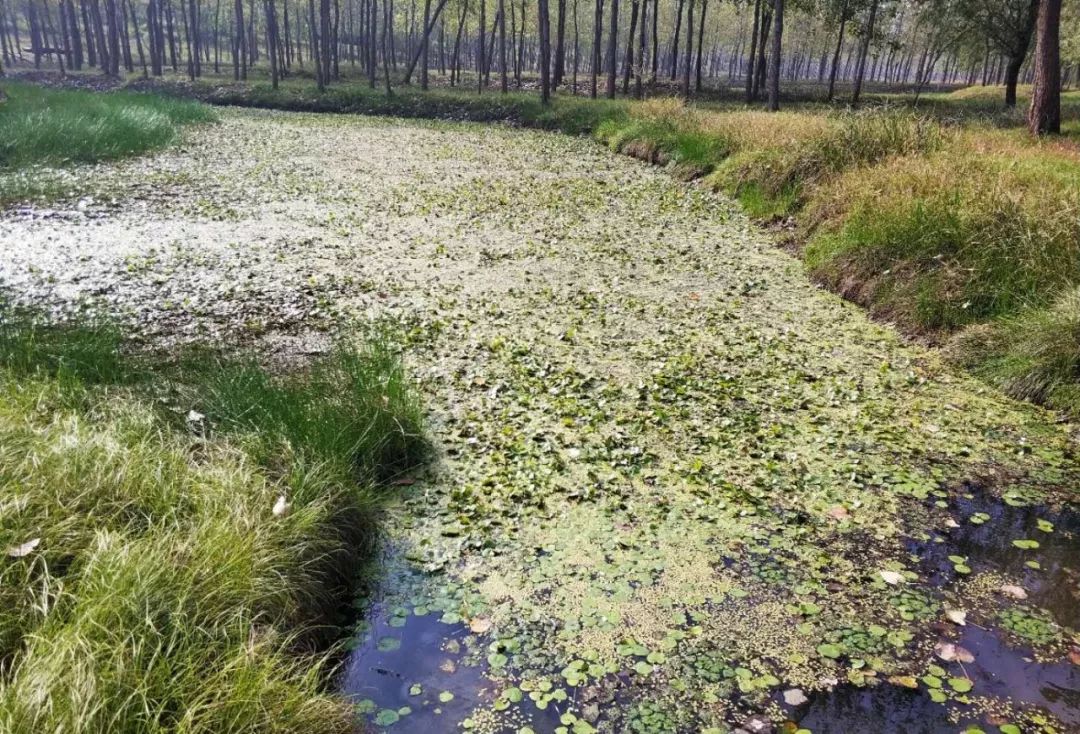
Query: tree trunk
775, 56
863, 51
613, 48
836, 57
424, 45
480, 50
1044, 115
689, 63
700, 44
560, 46
628, 58
545, 50
675, 40
753, 53
598, 24
504, 79
639, 90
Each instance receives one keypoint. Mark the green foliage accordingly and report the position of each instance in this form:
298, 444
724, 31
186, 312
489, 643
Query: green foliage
55, 126
87, 351
353, 408
1032, 356
164, 578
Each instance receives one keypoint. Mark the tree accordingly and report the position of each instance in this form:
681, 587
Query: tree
613, 47
774, 56
1044, 116
1009, 26
545, 51
598, 26
864, 49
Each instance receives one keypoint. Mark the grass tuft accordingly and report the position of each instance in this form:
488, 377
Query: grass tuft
177, 575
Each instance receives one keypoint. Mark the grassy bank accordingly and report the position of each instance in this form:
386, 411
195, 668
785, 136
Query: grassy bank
45, 129
180, 568
945, 218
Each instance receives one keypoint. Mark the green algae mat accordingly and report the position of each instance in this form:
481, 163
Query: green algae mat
678, 488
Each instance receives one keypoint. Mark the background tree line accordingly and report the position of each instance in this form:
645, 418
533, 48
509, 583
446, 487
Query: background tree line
599, 47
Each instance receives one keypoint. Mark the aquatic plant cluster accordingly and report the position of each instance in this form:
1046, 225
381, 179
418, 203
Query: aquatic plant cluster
678, 487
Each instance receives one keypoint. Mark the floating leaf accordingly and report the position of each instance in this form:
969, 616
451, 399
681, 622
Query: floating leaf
387, 717
892, 577
795, 697
956, 616
1026, 544
25, 549
960, 685
479, 625
446, 697
829, 650
388, 644
1016, 592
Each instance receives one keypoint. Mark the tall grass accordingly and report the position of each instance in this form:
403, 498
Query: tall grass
176, 575
54, 126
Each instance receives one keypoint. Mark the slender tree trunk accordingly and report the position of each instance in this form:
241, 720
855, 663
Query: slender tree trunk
577, 48
613, 49
628, 58
688, 63
239, 46
545, 51
138, 39
836, 56
675, 40
325, 40
1044, 115
775, 57
315, 54
560, 46
759, 67
753, 53
598, 25
455, 73
504, 79
424, 45
655, 57
700, 45
639, 69
863, 51
480, 49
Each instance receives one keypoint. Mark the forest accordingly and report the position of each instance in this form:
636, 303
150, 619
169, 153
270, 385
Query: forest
539, 366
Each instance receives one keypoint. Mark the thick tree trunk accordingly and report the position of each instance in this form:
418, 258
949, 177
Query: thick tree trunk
1044, 115
775, 57
545, 50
